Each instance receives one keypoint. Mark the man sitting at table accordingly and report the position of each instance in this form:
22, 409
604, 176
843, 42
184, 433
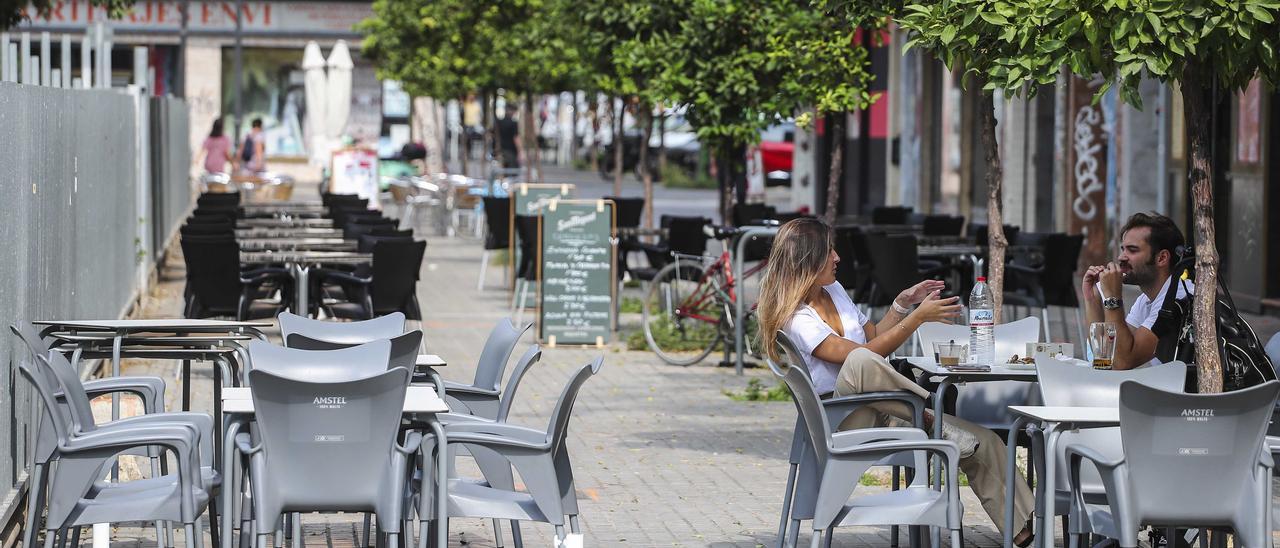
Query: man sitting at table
1148, 243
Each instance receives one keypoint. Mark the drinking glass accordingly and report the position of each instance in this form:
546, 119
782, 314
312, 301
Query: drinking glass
1102, 344
950, 353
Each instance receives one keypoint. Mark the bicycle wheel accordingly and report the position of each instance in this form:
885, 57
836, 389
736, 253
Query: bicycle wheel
682, 315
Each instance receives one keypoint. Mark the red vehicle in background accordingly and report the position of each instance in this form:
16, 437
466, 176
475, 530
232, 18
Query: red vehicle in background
777, 145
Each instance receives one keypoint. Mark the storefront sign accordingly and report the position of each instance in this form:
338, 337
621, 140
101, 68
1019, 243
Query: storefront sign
1087, 170
209, 17
576, 279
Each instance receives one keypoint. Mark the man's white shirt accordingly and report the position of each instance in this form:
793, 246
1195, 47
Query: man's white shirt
1145, 311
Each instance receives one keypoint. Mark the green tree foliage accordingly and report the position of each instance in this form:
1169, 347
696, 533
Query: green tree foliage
739, 66
14, 12
1211, 49
985, 40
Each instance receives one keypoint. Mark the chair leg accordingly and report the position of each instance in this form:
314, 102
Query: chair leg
296, 529
35, 504
786, 504
517, 538
817, 538
215, 534
497, 533
367, 520
831, 533
75, 536
793, 534
956, 540
49, 536
484, 267
574, 526
894, 533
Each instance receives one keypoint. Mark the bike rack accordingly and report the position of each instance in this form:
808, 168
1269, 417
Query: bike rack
739, 326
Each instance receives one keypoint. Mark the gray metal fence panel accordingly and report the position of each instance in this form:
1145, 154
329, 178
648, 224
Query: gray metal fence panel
67, 227
170, 168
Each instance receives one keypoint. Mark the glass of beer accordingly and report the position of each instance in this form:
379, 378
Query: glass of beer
1102, 344
950, 353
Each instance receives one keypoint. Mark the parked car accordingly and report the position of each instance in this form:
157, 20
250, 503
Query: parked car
777, 148
680, 141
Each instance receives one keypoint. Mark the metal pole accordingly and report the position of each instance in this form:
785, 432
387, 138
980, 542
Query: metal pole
739, 304
4, 57
106, 64
140, 69
98, 67
13, 63
1162, 151
86, 61
46, 78
180, 79
239, 69
66, 62
33, 70
24, 54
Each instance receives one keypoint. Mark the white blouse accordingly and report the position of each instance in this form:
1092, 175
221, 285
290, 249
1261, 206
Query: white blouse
807, 330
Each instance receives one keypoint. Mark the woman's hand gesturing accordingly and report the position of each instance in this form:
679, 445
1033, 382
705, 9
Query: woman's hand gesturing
935, 309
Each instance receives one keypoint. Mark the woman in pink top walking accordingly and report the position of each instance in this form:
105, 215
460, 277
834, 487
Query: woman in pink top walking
217, 150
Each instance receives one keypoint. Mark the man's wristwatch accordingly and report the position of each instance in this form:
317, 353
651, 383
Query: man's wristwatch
1111, 303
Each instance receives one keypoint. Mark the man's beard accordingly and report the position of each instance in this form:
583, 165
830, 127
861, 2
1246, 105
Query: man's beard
1141, 274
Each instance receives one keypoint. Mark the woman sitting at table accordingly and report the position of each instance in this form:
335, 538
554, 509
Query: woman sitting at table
845, 352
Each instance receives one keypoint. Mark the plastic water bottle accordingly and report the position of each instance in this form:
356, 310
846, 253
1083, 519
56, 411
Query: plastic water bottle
982, 322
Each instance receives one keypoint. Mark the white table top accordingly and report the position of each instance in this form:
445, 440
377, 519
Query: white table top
430, 360
997, 372
154, 324
238, 400
1098, 416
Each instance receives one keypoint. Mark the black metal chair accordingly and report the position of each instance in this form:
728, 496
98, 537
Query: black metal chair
390, 287
943, 225
208, 229
627, 213
890, 215
366, 242
684, 236
216, 285
1049, 281
854, 269
497, 220
895, 266
224, 199
749, 214
527, 270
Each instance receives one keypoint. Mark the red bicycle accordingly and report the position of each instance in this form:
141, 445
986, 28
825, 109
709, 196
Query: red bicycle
689, 307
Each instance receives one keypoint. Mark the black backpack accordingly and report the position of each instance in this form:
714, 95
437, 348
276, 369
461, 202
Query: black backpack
1244, 360
246, 152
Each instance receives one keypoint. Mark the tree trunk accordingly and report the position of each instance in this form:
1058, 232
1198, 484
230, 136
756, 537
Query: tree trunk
594, 150
646, 175
464, 150
527, 137
490, 104
724, 182
996, 242
1197, 101
737, 171
662, 143
573, 130
836, 127
620, 115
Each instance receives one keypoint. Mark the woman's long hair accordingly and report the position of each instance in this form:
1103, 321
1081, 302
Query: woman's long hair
216, 131
799, 254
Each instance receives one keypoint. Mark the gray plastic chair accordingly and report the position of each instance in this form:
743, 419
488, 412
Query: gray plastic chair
540, 457
45, 443
481, 397
329, 445
73, 489
355, 362
987, 403
404, 348
836, 408
1064, 384
1189, 460
494, 467
382, 327
843, 457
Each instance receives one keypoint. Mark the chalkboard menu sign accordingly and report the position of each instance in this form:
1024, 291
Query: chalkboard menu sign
529, 199
577, 283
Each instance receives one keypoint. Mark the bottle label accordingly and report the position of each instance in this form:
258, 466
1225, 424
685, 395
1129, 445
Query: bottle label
981, 318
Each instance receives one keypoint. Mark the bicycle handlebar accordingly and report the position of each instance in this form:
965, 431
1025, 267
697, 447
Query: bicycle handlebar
724, 232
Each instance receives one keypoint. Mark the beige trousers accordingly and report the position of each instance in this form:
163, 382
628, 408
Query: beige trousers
866, 371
